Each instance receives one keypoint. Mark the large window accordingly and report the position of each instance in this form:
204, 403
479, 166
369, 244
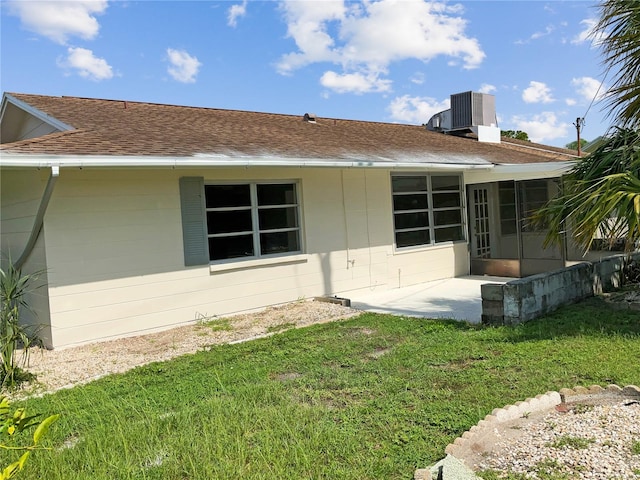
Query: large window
427, 209
252, 220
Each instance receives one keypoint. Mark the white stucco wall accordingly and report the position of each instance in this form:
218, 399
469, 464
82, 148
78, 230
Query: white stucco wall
115, 255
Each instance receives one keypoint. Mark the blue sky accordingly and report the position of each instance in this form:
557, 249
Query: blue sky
379, 60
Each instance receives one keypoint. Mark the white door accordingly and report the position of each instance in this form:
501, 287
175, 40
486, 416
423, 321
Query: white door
480, 216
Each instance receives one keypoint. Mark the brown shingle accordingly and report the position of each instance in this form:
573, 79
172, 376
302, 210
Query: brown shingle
111, 127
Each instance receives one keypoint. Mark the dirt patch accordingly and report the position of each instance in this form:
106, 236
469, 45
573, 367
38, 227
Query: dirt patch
285, 377
378, 352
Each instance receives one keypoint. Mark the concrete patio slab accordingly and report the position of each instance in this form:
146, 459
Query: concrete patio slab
458, 298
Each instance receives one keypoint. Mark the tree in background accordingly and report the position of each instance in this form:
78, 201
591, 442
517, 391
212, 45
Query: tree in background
601, 194
574, 145
517, 134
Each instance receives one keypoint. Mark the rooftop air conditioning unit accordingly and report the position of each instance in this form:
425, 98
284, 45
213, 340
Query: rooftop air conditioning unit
470, 109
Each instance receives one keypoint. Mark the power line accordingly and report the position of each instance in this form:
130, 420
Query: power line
596, 95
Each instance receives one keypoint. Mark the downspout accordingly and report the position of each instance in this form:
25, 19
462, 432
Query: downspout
37, 224
346, 222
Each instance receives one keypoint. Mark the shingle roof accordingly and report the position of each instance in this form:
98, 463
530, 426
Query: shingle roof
125, 128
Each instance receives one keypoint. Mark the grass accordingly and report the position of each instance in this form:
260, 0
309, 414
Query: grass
373, 397
218, 324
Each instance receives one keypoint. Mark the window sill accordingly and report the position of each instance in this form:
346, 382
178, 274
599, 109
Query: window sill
217, 268
425, 248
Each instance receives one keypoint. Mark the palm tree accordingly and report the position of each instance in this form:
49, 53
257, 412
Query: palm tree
618, 34
601, 194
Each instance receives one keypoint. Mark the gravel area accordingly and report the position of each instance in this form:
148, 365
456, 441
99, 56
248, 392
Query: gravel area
56, 369
581, 442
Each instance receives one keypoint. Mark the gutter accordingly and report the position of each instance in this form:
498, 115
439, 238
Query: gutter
560, 167
37, 224
44, 161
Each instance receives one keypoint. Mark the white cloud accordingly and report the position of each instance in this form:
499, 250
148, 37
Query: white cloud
542, 127
416, 110
87, 64
184, 67
366, 37
354, 83
235, 12
570, 101
417, 78
59, 20
537, 92
588, 88
547, 31
587, 33
487, 88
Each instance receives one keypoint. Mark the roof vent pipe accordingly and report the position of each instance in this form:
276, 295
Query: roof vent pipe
309, 117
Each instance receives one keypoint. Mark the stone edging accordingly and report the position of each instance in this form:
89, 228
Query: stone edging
531, 405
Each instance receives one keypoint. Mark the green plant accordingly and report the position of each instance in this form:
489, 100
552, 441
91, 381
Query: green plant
11, 426
14, 287
218, 325
582, 408
635, 447
549, 469
577, 443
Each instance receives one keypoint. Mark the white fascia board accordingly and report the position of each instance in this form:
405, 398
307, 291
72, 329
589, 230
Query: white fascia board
80, 161
54, 122
556, 167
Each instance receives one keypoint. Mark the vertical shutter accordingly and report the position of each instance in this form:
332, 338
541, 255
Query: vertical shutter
194, 232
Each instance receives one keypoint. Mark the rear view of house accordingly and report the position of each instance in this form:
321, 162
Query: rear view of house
150, 216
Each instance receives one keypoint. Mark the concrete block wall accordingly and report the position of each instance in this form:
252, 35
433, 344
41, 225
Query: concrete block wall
531, 297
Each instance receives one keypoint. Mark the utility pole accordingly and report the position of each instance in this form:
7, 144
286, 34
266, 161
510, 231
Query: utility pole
579, 124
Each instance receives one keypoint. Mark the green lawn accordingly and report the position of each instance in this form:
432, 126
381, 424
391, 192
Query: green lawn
369, 398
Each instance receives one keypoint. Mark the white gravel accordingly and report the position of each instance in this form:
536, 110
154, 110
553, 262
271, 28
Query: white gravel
590, 442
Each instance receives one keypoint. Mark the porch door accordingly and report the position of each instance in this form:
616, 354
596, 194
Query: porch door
489, 251
480, 221
534, 256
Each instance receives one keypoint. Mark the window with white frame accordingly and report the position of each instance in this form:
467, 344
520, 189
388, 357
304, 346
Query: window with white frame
427, 209
252, 220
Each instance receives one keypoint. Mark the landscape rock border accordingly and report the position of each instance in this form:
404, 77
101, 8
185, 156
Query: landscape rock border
475, 439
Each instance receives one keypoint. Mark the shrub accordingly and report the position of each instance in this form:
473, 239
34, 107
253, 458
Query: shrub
14, 287
11, 425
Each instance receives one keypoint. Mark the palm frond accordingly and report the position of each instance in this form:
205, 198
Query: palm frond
601, 196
